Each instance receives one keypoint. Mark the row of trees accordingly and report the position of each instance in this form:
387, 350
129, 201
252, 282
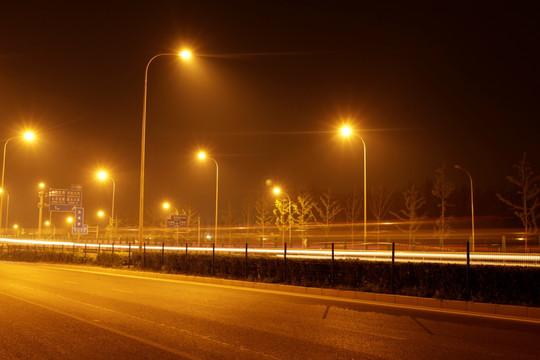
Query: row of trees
310, 209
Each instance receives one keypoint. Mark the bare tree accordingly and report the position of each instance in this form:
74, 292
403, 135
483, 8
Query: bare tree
305, 208
527, 188
380, 205
442, 190
192, 217
248, 212
328, 210
229, 220
352, 210
413, 202
263, 214
281, 214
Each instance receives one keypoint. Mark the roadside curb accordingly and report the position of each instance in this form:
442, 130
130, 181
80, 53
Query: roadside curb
508, 311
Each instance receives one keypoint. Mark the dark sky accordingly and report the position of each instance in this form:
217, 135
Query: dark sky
425, 84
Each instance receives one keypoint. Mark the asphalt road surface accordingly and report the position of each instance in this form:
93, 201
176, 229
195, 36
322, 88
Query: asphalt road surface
56, 312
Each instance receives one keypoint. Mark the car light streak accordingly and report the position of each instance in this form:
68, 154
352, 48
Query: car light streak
503, 259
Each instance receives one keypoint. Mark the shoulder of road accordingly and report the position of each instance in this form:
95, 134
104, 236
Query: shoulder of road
510, 312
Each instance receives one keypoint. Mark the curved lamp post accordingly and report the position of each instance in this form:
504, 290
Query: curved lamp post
28, 136
201, 155
472, 205
346, 131
185, 55
278, 191
102, 175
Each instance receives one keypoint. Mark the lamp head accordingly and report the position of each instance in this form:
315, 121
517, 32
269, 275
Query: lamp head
166, 205
185, 54
202, 155
276, 190
345, 131
29, 136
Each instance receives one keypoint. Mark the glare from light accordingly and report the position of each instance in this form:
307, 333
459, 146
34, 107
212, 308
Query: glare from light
100, 213
42, 185
1, 190
201, 155
102, 175
346, 131
47, 223
185, 54
70, 219
166, 205
276, 190
15, 226
29, 135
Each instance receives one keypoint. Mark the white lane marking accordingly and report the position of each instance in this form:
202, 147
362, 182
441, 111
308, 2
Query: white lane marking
94, 323
123, 291
312, 296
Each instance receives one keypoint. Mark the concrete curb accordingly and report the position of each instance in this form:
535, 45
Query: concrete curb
509, 311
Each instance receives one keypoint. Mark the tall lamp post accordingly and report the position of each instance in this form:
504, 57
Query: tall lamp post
278, 191
102, 175
40, 206
185, 55
203, 156
346, 131
7, 204
472, 205
28, 136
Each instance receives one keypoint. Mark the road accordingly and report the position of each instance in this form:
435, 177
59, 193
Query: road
68, 312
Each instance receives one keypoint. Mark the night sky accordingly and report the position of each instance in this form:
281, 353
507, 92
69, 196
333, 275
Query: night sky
270, 83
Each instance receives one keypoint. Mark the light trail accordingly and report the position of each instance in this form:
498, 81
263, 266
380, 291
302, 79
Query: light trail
476, 258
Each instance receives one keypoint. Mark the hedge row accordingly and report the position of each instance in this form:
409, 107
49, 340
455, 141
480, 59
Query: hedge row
495, 284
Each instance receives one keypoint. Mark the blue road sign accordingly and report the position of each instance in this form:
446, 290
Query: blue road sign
65, 200
79, 227
82, 230
177, 221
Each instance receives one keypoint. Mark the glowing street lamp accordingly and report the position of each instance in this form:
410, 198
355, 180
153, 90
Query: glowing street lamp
346, 131
41, 195
202, 156
185, 54
69, 220
472, 204
102, 175
28, 136
276, 190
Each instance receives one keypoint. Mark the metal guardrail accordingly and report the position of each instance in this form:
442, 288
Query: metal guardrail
475, 258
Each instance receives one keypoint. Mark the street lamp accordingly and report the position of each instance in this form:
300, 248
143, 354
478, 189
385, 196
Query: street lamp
102, 175
278, 191
472, 204
7, 204
345, 132
28, 136
41, 195
202, 156
185, 54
